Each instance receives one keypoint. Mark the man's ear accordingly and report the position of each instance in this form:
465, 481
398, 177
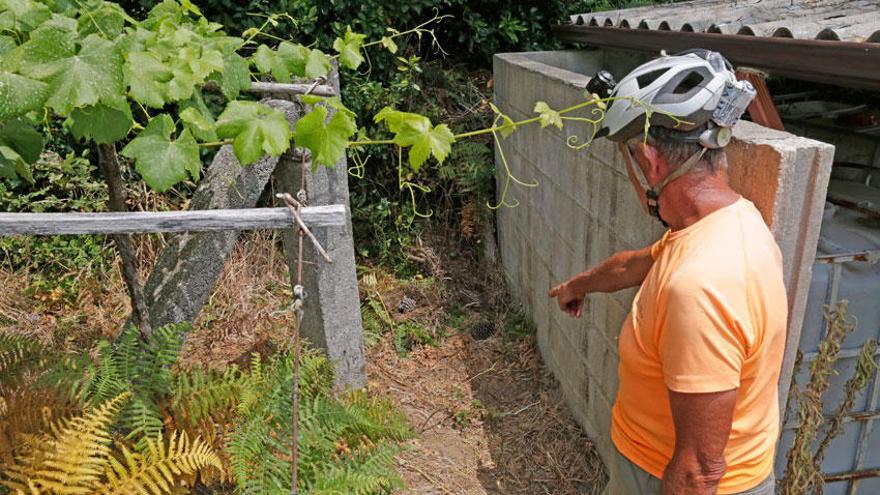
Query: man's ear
653, 163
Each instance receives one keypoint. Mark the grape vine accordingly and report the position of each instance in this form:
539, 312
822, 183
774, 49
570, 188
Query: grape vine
115, 79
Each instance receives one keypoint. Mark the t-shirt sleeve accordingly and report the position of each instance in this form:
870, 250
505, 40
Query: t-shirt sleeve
702, 345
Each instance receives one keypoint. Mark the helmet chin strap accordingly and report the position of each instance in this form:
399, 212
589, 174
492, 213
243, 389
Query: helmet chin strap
653, 193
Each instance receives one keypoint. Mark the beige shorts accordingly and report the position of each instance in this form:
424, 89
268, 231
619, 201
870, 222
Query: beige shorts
628, 479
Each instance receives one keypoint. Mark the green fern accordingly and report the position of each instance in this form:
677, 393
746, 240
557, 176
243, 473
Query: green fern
205, 394
143, 420
259, 447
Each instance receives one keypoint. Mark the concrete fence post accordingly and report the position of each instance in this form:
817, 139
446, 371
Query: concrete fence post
332, 320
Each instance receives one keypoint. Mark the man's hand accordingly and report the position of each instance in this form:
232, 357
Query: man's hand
619, 271
570, 300
702, 427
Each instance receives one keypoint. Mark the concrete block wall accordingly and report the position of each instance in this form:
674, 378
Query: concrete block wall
583, 209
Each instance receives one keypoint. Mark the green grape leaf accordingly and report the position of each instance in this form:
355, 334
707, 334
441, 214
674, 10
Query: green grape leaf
264, 59
293, 58
507, 124
548, 115
19, 95
317, 65
311, 99
103, 123
189, 69
349, 48
327, 140
437, 141
288, 61
411, 129
76, 78
23, 138
389, 44
397, 120
22, 15
107, 19
146, 76
236, 77
8, 162
7, 43
199, 123
256, 129
20, 145
162, 161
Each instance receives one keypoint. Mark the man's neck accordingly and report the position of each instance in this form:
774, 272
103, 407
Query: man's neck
693, 196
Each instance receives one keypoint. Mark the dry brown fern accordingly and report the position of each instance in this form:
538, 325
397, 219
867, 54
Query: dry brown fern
76, 457
156, 472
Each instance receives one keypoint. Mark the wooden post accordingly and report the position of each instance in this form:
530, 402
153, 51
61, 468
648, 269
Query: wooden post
762, 110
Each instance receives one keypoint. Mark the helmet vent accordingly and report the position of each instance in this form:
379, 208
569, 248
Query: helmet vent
690, 82
645, 80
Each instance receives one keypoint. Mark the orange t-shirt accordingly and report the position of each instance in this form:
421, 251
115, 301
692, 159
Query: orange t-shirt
710, 316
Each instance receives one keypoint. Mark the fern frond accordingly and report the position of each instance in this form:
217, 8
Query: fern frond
316, 375
30, 411
155, 471
127, 353
160, 355
143, 421
17, 353
364, 473
73, 455
103, 381
198, 394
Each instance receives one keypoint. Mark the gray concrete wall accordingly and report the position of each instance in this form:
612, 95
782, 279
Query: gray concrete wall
585, 209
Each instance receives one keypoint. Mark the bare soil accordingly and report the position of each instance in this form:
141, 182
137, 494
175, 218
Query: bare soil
490, 419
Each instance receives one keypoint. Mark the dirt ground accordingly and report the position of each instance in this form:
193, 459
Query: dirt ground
490, 419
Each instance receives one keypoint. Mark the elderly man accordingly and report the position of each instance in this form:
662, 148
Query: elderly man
701, 349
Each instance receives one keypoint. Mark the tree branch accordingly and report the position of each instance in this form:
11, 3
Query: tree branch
109, 164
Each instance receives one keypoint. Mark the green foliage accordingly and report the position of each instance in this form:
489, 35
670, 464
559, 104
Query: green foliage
161, 160
257, 130
410, 334
20, 145
415, 131
345, 445
55, 262
328, 139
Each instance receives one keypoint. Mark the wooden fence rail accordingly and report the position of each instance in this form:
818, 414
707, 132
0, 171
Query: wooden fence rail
166, 221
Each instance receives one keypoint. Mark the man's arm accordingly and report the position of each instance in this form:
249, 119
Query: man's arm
702, 427
619, 271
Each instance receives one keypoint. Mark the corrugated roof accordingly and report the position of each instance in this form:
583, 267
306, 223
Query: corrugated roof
854, 21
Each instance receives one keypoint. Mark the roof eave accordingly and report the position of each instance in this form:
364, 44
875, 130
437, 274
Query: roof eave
833, 62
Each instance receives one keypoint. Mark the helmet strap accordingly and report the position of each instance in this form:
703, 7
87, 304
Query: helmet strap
652, 194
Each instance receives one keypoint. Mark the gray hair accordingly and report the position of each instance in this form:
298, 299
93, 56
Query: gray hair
677, 152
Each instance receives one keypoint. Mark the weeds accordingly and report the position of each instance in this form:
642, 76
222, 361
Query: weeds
803, 470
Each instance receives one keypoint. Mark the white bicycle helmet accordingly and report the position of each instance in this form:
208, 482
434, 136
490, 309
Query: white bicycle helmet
697, 86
